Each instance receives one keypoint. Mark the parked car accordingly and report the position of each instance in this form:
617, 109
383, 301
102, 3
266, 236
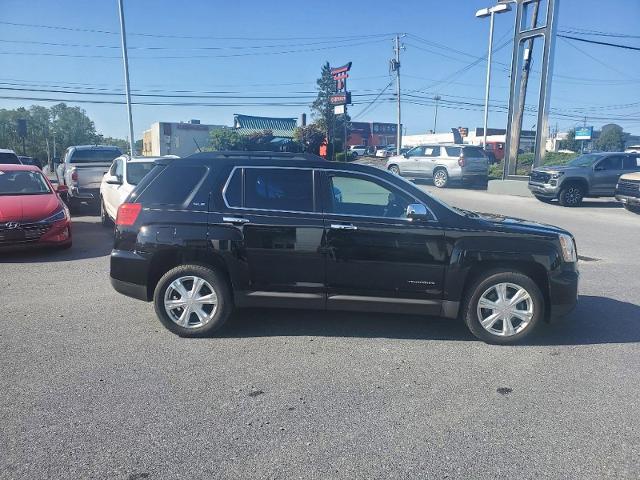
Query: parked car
386, 151
125, 173
30, 161
380, 150
31, 211
442, 163
589, 175
255, 229
632, 149
81, 171
8, 157
358, 150
628, 191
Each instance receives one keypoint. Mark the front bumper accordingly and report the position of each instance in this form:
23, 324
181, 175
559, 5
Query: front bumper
563, 290
626, 199
544, 190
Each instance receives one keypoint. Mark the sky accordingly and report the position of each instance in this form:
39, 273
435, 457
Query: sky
263, 58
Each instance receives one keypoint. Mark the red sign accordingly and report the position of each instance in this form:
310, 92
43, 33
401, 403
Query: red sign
340, 75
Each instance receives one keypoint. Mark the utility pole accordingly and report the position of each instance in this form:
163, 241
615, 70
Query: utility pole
437, 98
487, 87
125, 61
395, 66
528, 53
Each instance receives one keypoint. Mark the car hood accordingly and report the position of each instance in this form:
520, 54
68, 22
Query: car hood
20, 208
518, 225
557, 168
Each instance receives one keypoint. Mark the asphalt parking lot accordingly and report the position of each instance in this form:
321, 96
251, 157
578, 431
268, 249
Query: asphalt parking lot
92, 385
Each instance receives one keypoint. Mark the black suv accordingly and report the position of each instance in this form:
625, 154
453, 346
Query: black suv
202, 235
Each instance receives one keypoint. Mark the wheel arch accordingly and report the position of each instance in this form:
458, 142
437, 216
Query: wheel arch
582, 182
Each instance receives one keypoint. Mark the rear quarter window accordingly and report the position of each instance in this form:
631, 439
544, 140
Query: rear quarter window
177, 186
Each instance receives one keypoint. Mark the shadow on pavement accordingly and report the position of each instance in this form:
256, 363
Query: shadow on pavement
90, 240
595, 320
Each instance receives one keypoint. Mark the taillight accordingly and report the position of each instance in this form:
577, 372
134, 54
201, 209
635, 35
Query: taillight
74, 175
461, 161
128, 214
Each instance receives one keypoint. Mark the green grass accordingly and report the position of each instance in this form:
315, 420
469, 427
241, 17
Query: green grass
525, 161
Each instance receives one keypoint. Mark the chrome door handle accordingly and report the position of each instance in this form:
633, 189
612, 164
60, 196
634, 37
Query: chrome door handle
235, 220
342, 226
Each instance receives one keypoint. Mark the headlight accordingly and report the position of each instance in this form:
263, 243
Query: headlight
568, 246
557, 174
56, 217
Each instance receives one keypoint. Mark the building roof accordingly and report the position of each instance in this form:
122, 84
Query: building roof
280, 127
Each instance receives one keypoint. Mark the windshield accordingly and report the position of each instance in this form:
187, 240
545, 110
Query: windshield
23, 183
10, 158
137, 171
584, 160
101, 155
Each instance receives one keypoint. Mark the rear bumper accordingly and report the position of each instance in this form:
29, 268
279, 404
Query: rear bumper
129, 274
628, 199
87, 194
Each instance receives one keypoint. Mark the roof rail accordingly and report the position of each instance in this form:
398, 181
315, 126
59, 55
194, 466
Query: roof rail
257, 154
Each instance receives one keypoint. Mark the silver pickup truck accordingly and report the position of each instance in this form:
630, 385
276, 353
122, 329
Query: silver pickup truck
82, 169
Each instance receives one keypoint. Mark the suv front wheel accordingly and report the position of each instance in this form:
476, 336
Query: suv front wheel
503, 307
192, 300
571, 195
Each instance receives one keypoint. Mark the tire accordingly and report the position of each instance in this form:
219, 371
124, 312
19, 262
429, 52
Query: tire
215, 311
571, 195
394, 169
491, 287
632, 208
104, 217
543, 199
440, 177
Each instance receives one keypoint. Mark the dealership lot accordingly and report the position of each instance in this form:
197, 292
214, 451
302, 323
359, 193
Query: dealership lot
94, 387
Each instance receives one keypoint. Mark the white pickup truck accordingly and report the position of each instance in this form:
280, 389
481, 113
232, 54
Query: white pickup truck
82, 169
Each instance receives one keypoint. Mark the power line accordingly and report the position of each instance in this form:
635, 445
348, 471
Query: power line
368, 106
584, 31
585, 40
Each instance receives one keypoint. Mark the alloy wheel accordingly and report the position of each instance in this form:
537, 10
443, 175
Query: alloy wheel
505, 309
190, 302
573, 195
394, 169
440, 178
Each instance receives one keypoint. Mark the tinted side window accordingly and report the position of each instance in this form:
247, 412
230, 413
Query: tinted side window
474, 152
453, 151
233, 193
278, 189
358, 196
611, 163
632, 162
175, 186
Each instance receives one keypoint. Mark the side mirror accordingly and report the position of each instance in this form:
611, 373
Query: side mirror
113, 180
405, 155
417, 211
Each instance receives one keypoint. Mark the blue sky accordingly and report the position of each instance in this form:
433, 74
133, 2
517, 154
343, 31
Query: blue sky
242, 56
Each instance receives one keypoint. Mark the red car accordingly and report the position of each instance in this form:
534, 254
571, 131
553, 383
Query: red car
31, 211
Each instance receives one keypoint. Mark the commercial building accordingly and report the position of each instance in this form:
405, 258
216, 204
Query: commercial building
371, 134
182, 139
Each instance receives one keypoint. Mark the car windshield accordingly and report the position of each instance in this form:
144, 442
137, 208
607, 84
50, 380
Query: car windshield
98, 155
11, 158
584, 160
23, 183
137, 171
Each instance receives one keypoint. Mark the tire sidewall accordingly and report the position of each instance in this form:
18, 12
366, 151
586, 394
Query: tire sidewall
215, 279
481, 285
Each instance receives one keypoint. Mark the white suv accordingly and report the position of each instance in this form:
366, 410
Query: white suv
442, 163
119, 181
358, 150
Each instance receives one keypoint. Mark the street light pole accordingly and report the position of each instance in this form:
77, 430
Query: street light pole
489, 12
125, 61
437, 98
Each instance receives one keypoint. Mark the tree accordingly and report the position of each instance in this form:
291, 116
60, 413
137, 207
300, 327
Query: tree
260, 141
322, 110
309, 137
570, 143
226, 139
611, 139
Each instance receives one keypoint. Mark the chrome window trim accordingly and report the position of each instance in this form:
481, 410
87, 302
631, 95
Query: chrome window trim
313, 177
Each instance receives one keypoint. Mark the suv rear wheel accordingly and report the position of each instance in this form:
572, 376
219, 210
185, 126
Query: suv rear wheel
104, 217
192, 300
503, 307
440, 177
571, 195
